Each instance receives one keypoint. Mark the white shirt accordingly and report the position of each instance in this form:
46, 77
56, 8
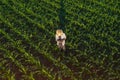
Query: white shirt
63, 36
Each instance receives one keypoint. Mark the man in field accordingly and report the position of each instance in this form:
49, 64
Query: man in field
60, 39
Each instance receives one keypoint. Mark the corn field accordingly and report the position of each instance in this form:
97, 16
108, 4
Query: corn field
28, 49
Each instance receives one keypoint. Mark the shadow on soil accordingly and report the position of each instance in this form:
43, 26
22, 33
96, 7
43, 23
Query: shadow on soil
62, 14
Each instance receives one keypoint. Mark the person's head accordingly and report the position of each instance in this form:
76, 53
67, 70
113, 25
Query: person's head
59, 32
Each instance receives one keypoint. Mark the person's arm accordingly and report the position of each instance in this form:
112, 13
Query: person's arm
64, 36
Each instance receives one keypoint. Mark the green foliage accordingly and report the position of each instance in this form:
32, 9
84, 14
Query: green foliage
28, 49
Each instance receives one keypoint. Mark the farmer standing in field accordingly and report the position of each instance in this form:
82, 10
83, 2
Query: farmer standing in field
60, 39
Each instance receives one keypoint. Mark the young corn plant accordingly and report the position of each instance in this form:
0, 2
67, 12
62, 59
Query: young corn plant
9, 75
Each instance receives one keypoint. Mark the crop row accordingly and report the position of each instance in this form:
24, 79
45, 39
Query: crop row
27, 55
46, 20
